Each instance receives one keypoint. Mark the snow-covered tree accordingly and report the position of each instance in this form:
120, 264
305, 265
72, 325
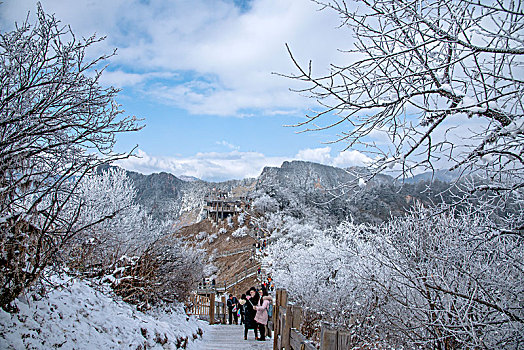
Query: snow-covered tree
57, 123
432, 280
122, 227
240, 219
265, 203
429, 84
321, 268
202, 235
240, 232
167, 270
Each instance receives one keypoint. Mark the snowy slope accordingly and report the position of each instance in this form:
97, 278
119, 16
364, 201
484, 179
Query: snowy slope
80, 317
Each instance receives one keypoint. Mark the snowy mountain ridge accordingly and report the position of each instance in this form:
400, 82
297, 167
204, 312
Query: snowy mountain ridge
303, 183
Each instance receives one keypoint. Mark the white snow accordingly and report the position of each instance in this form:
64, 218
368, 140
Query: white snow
240, 232
212, 238
471, 105
202, 235
76, 316
447, 88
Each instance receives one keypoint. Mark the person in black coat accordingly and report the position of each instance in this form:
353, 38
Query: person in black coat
232, 306
250, 312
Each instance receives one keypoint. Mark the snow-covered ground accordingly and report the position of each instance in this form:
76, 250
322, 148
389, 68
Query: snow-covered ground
76, 316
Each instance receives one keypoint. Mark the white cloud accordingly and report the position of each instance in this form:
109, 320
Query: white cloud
342, 160
228, 145
317, 155
219, 166
120, 79
351, 158
208, 42
212, 166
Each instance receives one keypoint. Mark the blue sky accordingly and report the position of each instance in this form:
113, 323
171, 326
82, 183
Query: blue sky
200, 73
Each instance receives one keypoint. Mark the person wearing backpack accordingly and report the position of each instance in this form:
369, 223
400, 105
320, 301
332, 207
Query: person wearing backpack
269, 326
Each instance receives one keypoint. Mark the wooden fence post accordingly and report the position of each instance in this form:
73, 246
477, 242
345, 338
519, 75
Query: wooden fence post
287, 327
212, 308
344, 340
287, 317
281, 303
328, 338
224, 309
297, 318
276, 328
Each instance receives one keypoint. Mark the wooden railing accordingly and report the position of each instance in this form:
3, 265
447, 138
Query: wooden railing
287, 321
234, 252
207, 307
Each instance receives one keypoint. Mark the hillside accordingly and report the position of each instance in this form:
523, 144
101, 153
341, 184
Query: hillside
303, 190
218, 239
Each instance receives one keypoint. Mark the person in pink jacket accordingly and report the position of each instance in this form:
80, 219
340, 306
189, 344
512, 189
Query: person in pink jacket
261, 317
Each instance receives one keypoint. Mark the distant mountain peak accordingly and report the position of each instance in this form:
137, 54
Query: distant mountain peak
188, 178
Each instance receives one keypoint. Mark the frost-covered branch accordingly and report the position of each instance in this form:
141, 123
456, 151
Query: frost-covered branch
442, 79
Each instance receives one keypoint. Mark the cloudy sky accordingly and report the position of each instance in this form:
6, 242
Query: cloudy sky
200, 72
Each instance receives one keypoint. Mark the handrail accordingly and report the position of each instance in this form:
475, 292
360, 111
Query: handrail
287, 322
202, 306
219, 286
240, 280
234, 252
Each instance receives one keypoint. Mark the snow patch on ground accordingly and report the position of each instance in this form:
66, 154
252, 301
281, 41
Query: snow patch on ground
76, 316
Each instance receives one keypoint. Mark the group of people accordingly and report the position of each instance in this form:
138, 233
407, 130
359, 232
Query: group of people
255, 309
267, 284
259, 247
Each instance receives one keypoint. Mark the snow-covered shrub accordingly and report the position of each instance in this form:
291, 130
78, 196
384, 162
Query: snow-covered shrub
201, 236
167, 270
318, 268
212, 238
240, 232
222, 231
241, 218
